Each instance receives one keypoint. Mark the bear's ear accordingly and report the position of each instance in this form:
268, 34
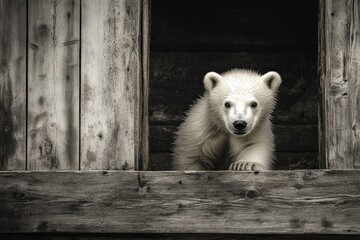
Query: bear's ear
211, 79
272, 80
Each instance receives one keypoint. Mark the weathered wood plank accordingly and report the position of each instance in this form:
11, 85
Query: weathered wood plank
339, 54
161, 161
317, 201
111, 71
143, 163
288, 138
353, 74
176, 81
234, 25
13, 85
176, 236
53, 84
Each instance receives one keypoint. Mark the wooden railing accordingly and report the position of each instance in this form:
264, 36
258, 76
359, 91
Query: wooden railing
316, 201
111, 105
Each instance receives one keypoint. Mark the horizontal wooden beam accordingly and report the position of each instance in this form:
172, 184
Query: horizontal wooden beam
309, 201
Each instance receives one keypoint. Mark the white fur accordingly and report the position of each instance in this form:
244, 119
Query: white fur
208, 138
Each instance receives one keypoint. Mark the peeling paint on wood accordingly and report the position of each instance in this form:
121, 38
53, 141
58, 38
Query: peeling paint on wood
13, 85
287, 202
53, 84
339, 70
111, 72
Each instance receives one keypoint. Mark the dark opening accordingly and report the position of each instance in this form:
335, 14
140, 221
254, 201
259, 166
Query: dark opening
190, 38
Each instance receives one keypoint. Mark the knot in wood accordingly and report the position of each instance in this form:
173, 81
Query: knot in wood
44, 28
48, 146
251, 194
299, 186
20, 195
309, 175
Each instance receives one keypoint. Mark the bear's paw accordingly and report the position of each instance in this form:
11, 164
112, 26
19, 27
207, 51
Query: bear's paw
245, 166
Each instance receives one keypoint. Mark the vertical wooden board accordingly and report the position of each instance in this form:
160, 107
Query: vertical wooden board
110, 75
339, 79
12, 85
144, 127
321, 74
53, 84
353, 74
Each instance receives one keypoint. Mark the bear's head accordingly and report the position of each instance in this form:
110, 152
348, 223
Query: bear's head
239, 100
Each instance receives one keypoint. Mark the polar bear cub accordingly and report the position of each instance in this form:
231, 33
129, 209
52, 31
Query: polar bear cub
229, 126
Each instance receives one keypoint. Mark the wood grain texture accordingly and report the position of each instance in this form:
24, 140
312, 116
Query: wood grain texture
53, 84
13, 85
143, 128
177, 80
176, 236
316, 201
288, 138
234, 25
339, 53
110, 76
162, 161
353, 74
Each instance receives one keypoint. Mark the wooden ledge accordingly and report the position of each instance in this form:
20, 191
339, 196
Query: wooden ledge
316, 201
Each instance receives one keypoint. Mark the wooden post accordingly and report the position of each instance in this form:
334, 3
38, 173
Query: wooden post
53, 84
13, 85
143, 163
111, 79
339, 71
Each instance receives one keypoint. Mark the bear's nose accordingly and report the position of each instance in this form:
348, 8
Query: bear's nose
239, 125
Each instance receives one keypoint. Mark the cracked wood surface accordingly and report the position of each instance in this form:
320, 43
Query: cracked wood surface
111, 74
339, 71
53, 84
312, 201
13, 85
46, 58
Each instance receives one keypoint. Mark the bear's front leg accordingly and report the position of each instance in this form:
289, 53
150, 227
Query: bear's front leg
257, 157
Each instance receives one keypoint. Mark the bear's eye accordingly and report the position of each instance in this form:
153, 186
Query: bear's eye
254, 104
227, 105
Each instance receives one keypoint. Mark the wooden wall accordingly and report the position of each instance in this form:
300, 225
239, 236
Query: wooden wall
70, 74
191, 38
52, 103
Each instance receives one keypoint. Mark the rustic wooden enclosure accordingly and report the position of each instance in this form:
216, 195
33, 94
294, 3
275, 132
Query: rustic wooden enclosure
191, 38
77, 95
